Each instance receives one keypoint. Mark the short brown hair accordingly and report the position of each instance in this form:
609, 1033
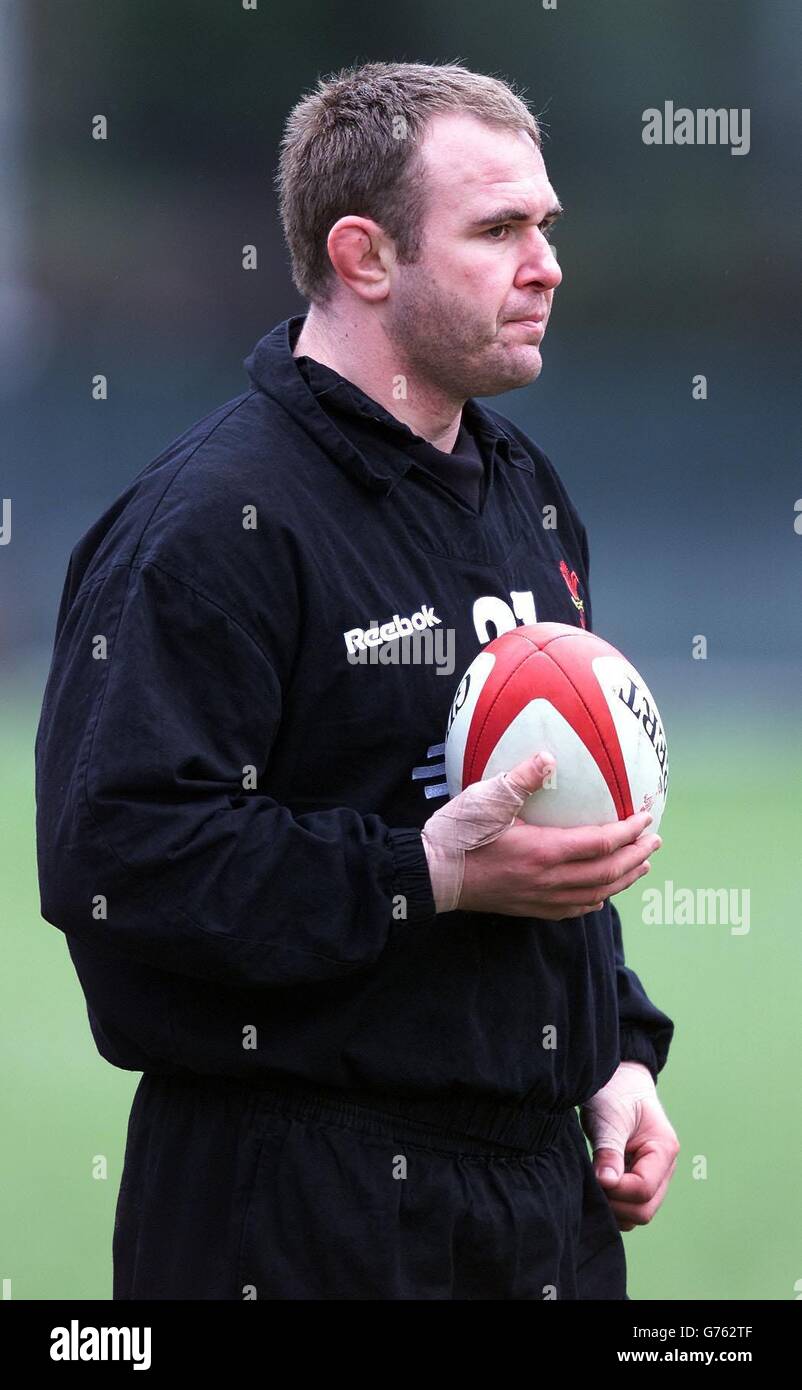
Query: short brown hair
353, 146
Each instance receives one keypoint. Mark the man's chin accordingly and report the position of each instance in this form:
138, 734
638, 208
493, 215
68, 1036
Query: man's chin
522, 371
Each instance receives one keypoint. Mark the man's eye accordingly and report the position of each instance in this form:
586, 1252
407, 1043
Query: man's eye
545, 228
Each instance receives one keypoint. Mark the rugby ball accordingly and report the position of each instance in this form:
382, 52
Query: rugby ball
550, 687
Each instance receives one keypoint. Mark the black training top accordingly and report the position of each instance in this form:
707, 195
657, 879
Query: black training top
236, 754
462, 470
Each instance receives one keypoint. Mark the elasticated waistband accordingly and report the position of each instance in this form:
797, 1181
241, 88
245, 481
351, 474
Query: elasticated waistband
466, 1124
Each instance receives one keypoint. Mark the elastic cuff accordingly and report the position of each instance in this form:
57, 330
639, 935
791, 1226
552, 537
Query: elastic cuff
636, 1047
412, 877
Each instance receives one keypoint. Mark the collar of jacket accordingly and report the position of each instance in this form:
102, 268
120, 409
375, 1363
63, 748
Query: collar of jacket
273, 369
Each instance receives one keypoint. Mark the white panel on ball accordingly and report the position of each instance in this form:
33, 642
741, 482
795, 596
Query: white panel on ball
540, 728
460, 716
640, 733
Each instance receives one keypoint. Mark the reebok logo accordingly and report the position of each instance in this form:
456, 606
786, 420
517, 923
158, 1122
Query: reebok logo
360, 639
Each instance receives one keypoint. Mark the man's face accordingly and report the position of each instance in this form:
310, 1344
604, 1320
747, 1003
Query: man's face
453, 312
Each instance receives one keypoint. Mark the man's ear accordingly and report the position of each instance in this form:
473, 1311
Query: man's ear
361, 254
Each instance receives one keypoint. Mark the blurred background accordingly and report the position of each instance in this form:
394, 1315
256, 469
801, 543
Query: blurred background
123, 257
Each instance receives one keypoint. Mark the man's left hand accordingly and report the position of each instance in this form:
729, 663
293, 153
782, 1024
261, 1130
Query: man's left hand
631, 1135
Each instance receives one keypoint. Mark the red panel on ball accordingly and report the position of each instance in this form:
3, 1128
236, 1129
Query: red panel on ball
548, 662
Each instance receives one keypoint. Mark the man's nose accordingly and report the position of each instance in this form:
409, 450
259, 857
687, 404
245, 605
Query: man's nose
540, 267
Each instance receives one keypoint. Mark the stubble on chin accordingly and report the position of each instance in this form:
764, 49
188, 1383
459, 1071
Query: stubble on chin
502, 369
444, 343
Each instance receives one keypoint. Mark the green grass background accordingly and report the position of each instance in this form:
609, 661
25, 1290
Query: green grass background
731, 1087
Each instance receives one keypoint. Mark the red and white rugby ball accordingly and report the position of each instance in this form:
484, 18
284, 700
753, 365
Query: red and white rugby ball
550, 687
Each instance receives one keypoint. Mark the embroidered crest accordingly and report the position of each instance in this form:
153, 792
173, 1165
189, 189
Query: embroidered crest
572, 580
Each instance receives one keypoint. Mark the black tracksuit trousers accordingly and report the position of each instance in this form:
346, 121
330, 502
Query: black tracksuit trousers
235, 1190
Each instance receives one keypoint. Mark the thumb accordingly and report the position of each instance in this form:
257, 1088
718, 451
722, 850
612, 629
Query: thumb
530, 775
609, 1167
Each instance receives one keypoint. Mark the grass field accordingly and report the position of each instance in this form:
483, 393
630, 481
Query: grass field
730, 1225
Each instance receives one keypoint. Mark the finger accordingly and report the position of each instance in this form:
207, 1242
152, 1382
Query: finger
551, 912
599, 891
651, 1168
568, 913
528, 776
631, 1214
561, 905
591, 841
594, 874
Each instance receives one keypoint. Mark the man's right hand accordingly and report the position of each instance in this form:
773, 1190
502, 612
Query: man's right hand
483, 858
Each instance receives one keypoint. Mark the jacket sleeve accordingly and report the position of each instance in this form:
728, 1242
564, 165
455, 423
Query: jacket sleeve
157, 836
645, 1031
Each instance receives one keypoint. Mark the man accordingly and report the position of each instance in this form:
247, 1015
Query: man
365, 1014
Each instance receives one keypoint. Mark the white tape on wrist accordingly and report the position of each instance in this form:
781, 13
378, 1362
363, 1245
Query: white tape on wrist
476, 817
